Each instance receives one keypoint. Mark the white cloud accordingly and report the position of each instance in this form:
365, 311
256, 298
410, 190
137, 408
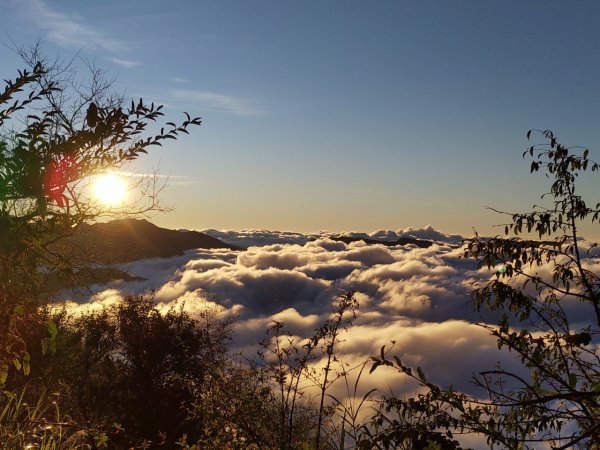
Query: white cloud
430, 233
128, 64
72, 31
66, 30
215, 101
260, 238
427, 233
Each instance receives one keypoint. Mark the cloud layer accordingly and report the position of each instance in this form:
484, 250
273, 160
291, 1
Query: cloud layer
294, 277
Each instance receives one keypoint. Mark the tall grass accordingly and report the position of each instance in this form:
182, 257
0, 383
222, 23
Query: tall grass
40, 426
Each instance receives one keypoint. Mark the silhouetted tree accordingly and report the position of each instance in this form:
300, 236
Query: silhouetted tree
147, 370
55, 136
538, 286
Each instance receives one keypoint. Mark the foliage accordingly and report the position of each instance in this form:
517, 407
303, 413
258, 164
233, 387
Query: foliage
55, 135
132, 364
541, 288
40, 425
349, 427
294, 369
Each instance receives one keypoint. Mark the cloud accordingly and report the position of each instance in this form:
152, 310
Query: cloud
66, 30
260, 238
72, 31
306, 271
167, 179
427, 233
430, 233
128, 64
214, 101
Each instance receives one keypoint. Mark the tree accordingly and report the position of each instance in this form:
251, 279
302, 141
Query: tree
147, 369
538, 286
55, 135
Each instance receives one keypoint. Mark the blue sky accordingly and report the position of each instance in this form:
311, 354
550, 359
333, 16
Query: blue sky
341, 115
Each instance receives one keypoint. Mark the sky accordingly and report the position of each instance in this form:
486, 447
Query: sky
340, 115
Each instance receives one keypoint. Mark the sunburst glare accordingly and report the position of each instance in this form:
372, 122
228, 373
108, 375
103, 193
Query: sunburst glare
110, 189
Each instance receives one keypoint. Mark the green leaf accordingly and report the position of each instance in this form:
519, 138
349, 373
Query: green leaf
52, 329
26, 365
101, 440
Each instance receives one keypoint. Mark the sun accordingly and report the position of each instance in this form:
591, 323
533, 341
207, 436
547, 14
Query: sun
110, 189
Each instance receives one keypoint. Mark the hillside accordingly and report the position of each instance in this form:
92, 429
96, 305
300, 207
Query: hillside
128, 240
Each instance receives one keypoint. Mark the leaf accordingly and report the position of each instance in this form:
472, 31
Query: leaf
26, 365
52, 328
374, 366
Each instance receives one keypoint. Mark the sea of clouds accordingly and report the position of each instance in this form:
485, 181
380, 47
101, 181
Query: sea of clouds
415, 297
415, 301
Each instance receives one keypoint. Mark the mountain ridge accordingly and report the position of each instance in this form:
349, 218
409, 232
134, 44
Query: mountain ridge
127, 240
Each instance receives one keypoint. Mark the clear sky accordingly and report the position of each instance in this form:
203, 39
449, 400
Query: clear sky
341, 115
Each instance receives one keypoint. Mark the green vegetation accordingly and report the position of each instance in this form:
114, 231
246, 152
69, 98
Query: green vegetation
139, 375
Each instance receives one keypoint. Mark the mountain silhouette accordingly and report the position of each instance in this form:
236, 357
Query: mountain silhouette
127, 240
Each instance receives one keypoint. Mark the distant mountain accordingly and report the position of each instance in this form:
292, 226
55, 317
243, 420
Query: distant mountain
422, 243
128, 240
